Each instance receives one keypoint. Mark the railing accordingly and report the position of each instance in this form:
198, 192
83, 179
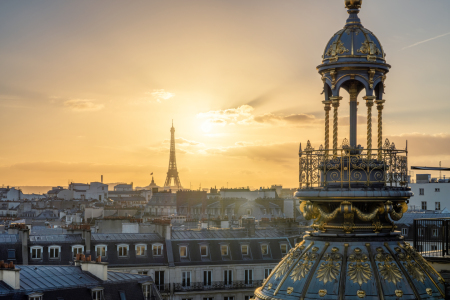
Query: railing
348, 167
431, 237
163, 288
218, 285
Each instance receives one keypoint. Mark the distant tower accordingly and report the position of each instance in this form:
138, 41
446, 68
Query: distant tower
172, 173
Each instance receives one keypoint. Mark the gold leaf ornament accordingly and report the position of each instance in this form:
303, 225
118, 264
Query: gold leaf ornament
390, 272
359, 270
328, 271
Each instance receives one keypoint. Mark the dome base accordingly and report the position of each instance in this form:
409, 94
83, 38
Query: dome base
352, 268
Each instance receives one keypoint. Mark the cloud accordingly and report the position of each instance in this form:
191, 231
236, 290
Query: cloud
184, 142
421, 144
428, 40
83, 105
62, 167
291, 119
161, 95
227, 115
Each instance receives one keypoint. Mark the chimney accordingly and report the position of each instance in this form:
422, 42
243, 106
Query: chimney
87, 241
24, 235
249, 224
98, 269
102, 179
10, 275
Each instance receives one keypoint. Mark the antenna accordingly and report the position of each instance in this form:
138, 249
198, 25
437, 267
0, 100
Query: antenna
440, 172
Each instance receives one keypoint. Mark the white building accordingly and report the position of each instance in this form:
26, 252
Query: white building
85, 191
429, 194
247, 194
10, 194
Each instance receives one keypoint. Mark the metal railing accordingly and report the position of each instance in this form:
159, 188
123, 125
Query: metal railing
217, 285
431, 237
163, 288
348, 167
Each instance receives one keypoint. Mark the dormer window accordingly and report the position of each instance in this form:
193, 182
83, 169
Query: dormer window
36, 252
204, 250
101, 250
244, 249
224, 250
265, 249
123, 250
183, 251
54, 252
35, 296
97, 294
157, 249
141, 249
284, 249
77, 249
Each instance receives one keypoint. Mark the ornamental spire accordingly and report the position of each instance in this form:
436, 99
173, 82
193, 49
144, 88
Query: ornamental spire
353, 7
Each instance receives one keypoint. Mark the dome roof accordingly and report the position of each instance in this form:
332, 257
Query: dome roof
354, 43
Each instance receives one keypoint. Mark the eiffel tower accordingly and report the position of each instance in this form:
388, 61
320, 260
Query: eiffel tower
172, 173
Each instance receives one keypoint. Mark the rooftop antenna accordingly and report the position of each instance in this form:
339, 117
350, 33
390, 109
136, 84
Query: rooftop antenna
440, 171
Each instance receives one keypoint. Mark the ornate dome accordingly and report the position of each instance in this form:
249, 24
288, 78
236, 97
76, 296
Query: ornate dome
354, 43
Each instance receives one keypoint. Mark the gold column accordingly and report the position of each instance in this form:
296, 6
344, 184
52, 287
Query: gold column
335, 102
327, 108
369, 104
380, 127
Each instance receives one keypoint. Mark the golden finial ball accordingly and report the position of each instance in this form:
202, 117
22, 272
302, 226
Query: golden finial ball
353, 4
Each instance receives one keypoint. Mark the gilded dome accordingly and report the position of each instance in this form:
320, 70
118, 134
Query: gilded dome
353, 43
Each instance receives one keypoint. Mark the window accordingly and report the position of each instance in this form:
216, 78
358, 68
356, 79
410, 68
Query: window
228, 298
404, 231
143, 272
265, 249
100, 250
424, 205
77, 249
207, 278
185, 279
140, 250
146, 291
437, 190
183, 251
224, 250
248, 276
433, 248
421, 192
122, 250
11, 254
54, 252
435, 232
244, 249
204, 250
35, 296
159, 280
36, 252
420, 231
284, 248
157, 249
228, 277
267, 272
437, 206
248, 297
208, 298
97, 294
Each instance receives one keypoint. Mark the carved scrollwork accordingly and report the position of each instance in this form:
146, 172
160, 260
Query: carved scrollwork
336, 48
304, 265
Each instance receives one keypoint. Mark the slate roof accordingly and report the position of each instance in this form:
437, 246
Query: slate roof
408, 218
56, 238
223, 234
70, 282
125, 237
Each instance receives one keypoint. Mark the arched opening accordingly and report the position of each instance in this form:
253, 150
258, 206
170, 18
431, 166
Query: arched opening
353, 88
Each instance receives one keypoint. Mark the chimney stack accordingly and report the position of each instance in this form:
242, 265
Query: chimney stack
102, 179
10, 275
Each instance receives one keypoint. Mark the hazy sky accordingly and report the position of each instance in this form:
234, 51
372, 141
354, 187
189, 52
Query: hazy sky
91, 87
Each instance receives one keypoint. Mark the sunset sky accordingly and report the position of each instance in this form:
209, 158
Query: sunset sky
91, 87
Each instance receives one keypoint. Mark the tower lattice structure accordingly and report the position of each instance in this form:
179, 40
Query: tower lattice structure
172, 173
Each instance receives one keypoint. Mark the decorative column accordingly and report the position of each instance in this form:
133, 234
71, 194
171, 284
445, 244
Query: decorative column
335, 102
380, 127
327, 108
369, 104
353, 91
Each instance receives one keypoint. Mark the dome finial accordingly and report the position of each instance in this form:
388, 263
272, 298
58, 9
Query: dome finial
353, 4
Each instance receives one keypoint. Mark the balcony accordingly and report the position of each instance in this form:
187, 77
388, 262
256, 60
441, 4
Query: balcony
218, 285
431, 237
163, 288
353, 168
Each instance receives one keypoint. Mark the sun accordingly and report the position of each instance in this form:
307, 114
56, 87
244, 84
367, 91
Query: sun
206, 126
